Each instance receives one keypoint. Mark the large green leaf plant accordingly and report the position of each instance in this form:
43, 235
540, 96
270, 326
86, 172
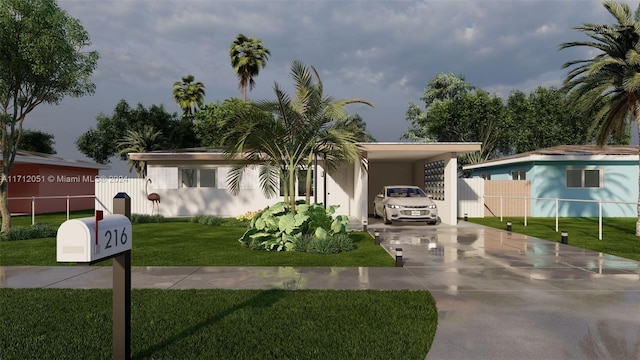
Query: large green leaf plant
278, 228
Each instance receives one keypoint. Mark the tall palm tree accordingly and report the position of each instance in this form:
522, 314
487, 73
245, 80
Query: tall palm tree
248, 55
287, 133
608, 85
189, 95
140, 141
324, 117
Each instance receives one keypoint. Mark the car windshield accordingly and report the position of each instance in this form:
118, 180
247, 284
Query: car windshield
405, 192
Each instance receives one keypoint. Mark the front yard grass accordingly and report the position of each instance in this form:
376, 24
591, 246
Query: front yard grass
618, 234
179, 242
213, 324
220, 324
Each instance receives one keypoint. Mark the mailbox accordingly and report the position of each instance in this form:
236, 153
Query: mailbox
91, 239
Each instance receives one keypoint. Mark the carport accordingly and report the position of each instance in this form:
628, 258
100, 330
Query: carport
431, 166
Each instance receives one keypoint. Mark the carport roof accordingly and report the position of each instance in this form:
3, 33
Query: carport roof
406, 151
416, 151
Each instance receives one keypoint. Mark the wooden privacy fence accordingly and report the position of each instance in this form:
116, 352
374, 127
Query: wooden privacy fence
479, 198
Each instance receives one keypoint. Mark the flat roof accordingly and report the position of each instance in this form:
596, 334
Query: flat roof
374, 151
565, 153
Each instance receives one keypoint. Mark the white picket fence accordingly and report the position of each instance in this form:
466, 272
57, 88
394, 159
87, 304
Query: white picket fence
108, 187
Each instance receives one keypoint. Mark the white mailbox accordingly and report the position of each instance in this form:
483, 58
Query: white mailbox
79, 240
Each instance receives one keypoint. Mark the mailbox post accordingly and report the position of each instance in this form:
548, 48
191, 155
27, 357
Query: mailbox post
91, 240
122, 289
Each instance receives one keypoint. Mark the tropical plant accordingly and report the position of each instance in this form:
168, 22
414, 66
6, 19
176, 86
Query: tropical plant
189, 95
277, 227
248, 55
139, 142
287, 133
608, 85
43, 58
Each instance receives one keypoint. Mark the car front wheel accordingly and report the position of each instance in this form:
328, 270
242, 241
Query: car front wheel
386, 218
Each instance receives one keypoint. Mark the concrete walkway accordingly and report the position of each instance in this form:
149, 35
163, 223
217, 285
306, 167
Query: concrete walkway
499, 295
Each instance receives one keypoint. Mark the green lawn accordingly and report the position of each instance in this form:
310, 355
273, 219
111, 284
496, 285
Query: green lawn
220, 324
618, 234
179, 242
213, 324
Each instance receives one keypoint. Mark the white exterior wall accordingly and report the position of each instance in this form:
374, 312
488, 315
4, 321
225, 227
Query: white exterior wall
176, 201
340, 186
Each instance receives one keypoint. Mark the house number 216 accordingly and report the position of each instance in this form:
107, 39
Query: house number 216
113, 236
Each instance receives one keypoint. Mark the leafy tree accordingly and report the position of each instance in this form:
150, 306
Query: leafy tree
544, 119
248, 55
213, 121
139, 142
188, 95
101, 143
608, 85
441, 88
38, 141
444, 87
42, 60
286, 133
474, 117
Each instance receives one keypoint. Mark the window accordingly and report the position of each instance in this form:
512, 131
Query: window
486, 176
208, 178
198, 177
188, 178
518, 175
583, 178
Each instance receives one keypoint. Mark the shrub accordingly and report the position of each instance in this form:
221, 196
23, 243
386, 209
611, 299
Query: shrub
207, 220
277, 228
331, 244
36, 231
145, 218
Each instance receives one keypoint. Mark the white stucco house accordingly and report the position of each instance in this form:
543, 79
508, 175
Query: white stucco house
193, 181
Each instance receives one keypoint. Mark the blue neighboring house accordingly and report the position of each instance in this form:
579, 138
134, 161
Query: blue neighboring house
583, 172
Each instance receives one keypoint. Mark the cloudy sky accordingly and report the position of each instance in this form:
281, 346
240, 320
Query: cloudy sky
382, 51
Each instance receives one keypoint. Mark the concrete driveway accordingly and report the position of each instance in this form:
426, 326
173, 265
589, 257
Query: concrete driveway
509, 296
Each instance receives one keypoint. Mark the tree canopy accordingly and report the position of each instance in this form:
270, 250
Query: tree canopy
457, 111
102, 142
43, 58
248, 56
189, 95
37, 141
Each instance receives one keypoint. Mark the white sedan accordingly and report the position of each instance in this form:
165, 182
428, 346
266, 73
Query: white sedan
404, 203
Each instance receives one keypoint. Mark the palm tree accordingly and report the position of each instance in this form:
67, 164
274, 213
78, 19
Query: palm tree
188, 95
287, 133
248, 55
608, 85
139, 142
